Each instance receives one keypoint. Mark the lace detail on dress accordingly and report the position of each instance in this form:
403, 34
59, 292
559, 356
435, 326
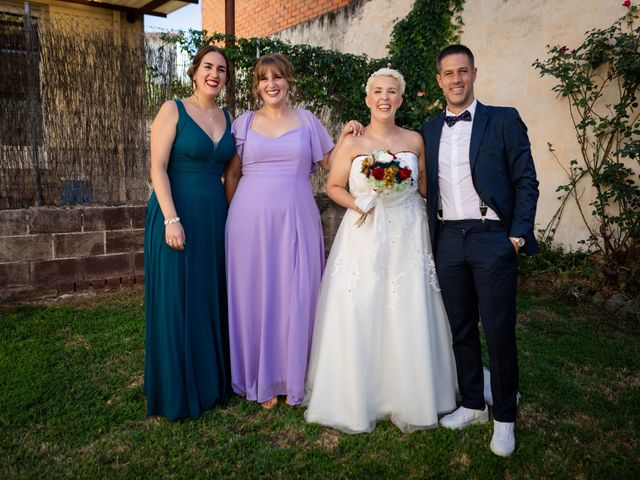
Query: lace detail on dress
355, 279
336, 266
429, 267
396, 290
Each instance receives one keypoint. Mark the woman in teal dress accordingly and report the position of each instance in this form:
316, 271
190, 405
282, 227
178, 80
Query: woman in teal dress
187, 347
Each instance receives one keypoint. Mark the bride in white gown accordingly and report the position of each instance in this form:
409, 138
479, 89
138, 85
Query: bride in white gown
381, 346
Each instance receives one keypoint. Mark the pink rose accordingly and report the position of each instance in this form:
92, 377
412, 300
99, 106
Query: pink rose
421, 94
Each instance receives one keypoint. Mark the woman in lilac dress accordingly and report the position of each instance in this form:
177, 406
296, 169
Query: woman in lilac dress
274, 242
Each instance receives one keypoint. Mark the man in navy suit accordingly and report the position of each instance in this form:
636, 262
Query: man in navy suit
481, 200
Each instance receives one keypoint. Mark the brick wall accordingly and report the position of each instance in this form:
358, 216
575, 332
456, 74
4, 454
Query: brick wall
259, 18
53, 251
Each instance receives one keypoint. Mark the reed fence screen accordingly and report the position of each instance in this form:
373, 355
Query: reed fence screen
77, 97
76, 100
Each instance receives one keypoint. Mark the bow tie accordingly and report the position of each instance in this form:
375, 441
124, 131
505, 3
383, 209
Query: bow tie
463, 117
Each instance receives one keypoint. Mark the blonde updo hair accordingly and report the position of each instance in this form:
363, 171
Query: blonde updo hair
277, 63
386, 72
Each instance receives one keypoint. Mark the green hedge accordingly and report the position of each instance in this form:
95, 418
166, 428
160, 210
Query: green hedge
331, 83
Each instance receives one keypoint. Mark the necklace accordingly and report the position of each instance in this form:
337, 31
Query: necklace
208, 113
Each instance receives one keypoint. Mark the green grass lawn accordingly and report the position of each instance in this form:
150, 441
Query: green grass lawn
71, 405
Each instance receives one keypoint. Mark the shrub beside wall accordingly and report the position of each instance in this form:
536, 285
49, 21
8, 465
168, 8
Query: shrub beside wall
331, 83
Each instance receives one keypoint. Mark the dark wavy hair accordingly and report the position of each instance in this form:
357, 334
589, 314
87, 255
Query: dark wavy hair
197, 60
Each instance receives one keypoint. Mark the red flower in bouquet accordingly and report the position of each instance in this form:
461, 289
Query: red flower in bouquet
378, 173
626, 3
404, 173
383, 173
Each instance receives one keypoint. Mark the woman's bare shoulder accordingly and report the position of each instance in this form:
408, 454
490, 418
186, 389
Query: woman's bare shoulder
168, 113
413, 138
410, 134
355, 146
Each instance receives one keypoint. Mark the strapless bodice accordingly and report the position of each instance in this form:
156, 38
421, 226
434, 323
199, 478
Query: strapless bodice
359, 183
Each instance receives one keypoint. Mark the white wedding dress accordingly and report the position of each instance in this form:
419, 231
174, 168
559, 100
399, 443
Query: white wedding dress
382, 345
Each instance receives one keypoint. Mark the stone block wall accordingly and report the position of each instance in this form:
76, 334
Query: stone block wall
331, 216
46, 252
53, 251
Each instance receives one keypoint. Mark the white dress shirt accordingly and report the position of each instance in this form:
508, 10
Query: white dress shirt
458, 195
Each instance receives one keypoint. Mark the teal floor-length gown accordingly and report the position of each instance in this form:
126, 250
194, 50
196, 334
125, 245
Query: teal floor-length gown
187, 347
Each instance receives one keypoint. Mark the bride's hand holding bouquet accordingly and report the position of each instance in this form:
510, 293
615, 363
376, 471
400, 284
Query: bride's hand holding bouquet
384, 173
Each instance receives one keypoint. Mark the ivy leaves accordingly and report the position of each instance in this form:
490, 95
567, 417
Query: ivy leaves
331, 84
415, 43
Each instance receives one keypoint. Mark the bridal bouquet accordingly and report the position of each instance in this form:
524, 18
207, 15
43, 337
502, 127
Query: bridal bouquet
383, 172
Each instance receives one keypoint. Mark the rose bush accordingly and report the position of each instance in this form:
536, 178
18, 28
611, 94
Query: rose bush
601, 80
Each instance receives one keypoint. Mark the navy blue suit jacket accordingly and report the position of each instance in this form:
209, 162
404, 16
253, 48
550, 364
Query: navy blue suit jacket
502, 170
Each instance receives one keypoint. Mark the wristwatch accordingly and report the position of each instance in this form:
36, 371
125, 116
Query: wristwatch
519, 241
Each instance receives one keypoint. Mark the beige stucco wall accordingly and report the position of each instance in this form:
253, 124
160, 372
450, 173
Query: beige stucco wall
362, 28
506, 37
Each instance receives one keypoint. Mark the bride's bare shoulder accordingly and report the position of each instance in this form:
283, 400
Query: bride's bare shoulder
410, 134
413, 138
352, 146
353, 141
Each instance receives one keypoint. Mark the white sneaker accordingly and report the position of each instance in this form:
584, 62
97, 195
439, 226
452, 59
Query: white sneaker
503, 442
463, 417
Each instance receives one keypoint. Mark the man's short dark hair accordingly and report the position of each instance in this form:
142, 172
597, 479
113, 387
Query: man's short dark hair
453, 50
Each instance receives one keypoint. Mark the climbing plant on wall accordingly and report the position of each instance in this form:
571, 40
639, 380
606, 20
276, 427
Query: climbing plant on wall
415, 42
601, 81
329, 83
332, 82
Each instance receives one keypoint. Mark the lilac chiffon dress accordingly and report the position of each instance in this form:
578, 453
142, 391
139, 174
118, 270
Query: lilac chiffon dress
275, 257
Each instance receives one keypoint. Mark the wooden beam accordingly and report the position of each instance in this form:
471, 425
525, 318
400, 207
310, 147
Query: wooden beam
230, 17
145, 9
148, 8
119, 8
230, 31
